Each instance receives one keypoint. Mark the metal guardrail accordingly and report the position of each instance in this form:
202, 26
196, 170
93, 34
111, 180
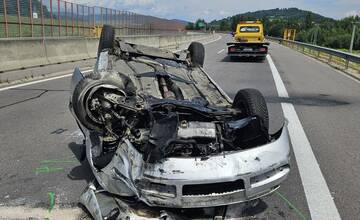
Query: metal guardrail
332, 53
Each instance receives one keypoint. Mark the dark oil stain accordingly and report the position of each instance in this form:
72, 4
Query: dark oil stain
25, 180
59, 131
12, 176
281, 213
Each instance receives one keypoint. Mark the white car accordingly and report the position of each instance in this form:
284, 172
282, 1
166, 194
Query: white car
159, 130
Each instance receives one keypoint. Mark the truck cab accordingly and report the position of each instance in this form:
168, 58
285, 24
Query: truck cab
251, 32
248, 40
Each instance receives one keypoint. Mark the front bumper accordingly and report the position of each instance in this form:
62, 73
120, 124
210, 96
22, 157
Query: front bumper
219, 180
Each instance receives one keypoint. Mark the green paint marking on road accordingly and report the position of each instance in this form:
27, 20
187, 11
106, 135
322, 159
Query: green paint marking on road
47, 169
51, 196
58, 161
301, 215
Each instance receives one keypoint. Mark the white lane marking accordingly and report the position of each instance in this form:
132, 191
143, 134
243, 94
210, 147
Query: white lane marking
213, 40
320, 202
40, 81
220, 51
175, 51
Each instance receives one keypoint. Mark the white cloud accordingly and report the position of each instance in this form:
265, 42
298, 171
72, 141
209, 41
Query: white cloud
110, 3
352, 13
206, 12
223, 12
136, 2
160, 10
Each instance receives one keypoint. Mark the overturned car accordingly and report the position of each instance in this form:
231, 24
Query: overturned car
157, 128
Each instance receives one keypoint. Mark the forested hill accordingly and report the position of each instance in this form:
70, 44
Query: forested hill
288, 16
329, 32
282, 13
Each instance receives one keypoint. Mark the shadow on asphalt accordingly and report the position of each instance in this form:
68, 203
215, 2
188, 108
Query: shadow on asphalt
240, 210
83, 171
243, 59
253, 211
320, 100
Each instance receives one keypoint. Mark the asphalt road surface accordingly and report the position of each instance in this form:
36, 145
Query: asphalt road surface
39, 139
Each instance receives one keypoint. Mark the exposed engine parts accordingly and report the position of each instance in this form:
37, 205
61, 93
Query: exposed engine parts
159, 128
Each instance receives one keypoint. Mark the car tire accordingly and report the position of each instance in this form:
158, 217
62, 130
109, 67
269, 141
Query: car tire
197, 54
78, 106
252, 103
81, 92
107, 38
80, 95
262, 59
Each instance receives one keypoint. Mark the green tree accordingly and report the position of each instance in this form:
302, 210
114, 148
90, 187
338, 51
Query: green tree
190, 26
200, 24
224, 25
308, 20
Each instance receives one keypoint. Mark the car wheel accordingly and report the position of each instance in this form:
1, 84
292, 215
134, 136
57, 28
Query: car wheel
80, 95
252, 102
107, 38
77, 103
262, 59
197, 53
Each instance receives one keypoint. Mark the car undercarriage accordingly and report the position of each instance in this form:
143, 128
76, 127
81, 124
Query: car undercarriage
159, 131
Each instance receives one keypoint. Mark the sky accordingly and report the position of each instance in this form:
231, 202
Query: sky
190, 10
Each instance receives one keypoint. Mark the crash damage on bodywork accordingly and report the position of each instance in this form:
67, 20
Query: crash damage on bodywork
158, 129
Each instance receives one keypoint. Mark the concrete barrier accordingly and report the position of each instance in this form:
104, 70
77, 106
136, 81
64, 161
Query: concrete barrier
92, 45
23, 53
152, 41
65, 50
17, 54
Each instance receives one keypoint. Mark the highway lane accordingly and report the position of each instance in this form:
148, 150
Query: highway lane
37, 131
328, 105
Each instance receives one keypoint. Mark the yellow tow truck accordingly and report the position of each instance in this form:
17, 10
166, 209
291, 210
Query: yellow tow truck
248, 40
